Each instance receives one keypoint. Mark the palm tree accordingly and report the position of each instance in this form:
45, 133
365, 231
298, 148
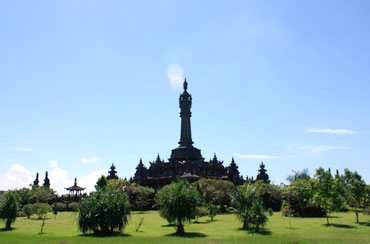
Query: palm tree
8, 210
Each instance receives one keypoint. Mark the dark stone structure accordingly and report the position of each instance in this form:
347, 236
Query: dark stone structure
262, 175
36, 181
75, 189
46, 181
112, 173
186, 160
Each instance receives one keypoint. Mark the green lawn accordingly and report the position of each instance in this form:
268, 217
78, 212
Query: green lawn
225, 229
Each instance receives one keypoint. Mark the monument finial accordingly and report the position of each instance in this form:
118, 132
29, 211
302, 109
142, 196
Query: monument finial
185, 85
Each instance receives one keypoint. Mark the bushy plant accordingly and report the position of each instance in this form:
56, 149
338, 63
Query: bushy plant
8, 209
258, 215
41, 209
59, 206
141, 197
73, 206
242, 201
178, 203
28, 210
104, 212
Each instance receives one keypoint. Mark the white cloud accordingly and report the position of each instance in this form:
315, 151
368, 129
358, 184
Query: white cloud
16, 177
23, 149
254, 156
333, 131
89, 160
175, 74
19, 176
53, 164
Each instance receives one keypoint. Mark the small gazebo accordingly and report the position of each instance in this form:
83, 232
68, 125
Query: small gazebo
75, 189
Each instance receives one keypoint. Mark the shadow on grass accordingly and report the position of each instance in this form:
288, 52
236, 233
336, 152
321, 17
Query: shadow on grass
264, 232
188, 235
7, 229
38, 219
205, 222
341, 226
101, 236
169, 225
365, 224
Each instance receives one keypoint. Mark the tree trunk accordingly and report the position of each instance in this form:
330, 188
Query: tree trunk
245, 225
356, 212
257, 227
327, 219
180, 228
8, 223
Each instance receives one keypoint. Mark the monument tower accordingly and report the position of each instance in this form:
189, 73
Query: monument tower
186, 160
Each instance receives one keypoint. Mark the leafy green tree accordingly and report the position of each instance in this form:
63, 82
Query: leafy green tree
101, 183
270, 194
258, 215
104, 212
242, 201
298, 175
141, 197
8, 209
325, 192
28, 210
41, 209
178, 203
356, 187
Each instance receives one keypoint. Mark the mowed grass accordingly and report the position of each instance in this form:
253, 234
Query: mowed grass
225, 229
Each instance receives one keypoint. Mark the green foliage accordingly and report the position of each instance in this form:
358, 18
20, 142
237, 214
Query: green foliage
59, 206
28, 210
258, 215
73, 206
101, 183
141, 197
41, 209
270, 211
104, 212
356, 189
178, 203
34, 195
8, 208
216, 192
270, 195
212, 211
326, 192
242, 201
303, 175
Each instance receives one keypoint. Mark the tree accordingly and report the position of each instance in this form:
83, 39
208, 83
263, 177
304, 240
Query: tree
242, 201
356, 190
325, 192
104, 212
42, 210
28, 210
258, 214
297, 175
8, 209
101, 183
178, 203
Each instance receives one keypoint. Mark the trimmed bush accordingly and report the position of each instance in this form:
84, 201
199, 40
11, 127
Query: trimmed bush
73, 206
60, 207
28, 210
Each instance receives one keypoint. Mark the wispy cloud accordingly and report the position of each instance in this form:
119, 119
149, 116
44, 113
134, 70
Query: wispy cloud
255, 156
312, 149
318, 149
333, 131
53, 164
23, 149
175, 74
89, 160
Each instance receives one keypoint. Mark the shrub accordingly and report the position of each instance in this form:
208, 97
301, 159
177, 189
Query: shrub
41, 209
28, 210
73, 206
104, 212
59, 206
8, 209
178, 203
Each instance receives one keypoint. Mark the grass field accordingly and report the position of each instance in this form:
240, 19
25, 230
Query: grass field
225, 229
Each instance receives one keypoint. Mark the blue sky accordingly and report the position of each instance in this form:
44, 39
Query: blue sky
86, 83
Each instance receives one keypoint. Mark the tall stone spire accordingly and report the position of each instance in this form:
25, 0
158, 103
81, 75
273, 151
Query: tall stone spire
185, 114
